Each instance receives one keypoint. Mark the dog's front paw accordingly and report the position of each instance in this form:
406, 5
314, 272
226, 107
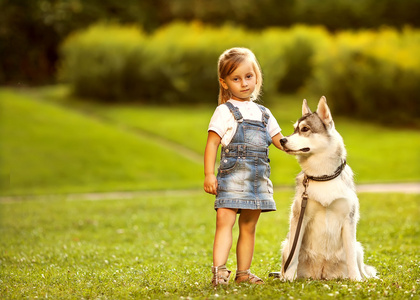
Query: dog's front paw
277, 276
290, 275
356, 278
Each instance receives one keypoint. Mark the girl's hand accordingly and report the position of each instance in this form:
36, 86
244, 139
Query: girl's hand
210, 181
276, 141
210, 184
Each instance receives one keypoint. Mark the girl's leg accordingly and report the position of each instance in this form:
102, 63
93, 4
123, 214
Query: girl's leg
246, 240
225, 220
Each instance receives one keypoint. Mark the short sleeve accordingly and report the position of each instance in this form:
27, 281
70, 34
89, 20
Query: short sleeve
273, 126
218, 122
223, 123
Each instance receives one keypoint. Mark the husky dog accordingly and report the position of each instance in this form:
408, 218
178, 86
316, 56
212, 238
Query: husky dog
326, 247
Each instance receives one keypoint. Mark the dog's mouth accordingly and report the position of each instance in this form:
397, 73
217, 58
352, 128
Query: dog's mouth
291, 151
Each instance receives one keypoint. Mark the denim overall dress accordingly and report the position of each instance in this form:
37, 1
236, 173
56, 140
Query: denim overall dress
244, 173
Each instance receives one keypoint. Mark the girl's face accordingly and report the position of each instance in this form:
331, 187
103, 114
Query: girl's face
241, 82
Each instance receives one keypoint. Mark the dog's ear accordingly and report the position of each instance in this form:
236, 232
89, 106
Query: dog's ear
324, 112
305, 108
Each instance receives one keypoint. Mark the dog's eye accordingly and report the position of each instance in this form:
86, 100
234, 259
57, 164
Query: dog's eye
304, 129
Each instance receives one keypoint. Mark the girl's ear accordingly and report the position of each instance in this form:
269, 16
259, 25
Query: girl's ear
223, 83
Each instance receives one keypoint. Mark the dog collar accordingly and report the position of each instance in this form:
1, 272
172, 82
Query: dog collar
329, 177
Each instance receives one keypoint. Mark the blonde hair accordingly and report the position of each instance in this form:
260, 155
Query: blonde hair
228, 62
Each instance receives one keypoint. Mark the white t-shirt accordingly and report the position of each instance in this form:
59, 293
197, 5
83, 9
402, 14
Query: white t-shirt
224, 124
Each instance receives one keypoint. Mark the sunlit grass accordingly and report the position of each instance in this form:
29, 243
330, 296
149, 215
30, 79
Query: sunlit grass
54, 143
376, 153
153, 247
46, 148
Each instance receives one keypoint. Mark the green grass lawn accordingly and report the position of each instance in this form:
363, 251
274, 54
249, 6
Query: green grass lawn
376, 153
46, 148
158, 247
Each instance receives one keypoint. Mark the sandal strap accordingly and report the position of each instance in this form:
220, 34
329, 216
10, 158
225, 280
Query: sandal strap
218, 278
242, 273
251, 278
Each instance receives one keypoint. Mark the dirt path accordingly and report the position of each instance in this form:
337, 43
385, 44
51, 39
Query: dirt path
406, 188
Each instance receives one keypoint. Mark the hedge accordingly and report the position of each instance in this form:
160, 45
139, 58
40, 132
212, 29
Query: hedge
96, 61
371, 74
365, 72
31, 30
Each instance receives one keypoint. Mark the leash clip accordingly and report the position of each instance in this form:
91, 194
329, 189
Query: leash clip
305, 194
305, 182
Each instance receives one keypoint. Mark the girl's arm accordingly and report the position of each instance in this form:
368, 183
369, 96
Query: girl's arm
276, 140
210, 181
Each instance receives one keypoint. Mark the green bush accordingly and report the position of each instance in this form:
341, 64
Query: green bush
371, 74
178, 63
286, 55
181, 64
96, 60
37, 27
365, 72
175, 64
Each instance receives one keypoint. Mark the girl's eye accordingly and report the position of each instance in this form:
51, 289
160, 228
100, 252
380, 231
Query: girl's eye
304, 129
250, 76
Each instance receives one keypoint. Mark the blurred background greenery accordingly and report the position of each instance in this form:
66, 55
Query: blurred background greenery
361, 53
131, 77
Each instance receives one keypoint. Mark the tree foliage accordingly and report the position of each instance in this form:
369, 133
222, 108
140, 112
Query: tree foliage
31, 30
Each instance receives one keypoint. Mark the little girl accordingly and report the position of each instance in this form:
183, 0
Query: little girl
242, 185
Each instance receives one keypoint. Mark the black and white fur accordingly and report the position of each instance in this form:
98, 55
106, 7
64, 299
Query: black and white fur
327, 246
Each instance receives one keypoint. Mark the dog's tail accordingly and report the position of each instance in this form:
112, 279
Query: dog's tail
365, 270
369, 272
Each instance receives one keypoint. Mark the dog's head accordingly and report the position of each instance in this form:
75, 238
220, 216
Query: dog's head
314, 132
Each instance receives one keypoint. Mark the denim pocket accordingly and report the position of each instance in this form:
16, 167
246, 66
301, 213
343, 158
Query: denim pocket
267, 185
228, 164
230, 176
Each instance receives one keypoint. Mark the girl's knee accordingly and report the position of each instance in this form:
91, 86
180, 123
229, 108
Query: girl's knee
225, 217
248, 228
248, 221
249, 216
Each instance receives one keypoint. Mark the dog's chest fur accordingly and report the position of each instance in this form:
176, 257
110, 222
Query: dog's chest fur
330, 204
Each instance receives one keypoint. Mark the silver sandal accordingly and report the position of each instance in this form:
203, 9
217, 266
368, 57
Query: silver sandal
219, 275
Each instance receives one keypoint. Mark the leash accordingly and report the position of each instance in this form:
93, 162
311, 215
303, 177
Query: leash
299, 225
303, 206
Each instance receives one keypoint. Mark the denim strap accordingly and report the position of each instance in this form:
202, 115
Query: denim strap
235, 111
265, 115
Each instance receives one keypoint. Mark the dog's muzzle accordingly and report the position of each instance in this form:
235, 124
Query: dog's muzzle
283, 142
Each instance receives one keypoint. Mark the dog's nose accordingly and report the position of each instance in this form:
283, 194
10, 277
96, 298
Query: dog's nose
283, 141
